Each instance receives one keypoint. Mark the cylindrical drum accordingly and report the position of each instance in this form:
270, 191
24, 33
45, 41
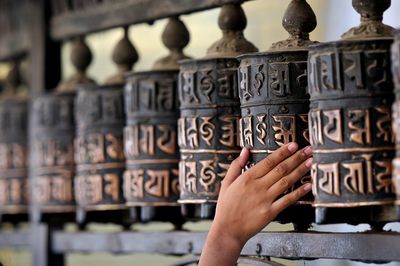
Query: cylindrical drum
99, 155
396, 115
150, 141
52, 152
14, 194
208, 130
351, 89
275, 105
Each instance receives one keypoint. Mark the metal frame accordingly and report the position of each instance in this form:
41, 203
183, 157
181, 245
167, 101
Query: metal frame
367, 246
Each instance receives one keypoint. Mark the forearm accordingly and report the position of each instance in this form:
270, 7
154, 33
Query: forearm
220, 249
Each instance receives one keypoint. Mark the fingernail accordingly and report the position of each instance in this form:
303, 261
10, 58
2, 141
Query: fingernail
308, 150
309, 162
242, 152
292, 147
307, 187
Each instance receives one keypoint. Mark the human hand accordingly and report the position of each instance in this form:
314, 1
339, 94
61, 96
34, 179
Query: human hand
248, 202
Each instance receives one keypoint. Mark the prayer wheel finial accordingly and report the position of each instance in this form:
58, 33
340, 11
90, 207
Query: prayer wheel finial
371, 25
124, 56
299, 20
232, 21
175, 37
81, 57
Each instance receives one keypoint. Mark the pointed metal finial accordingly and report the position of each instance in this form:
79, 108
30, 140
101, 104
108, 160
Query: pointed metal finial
175, 37
81, 57
371, 25
124, 56
232, 21
299, 20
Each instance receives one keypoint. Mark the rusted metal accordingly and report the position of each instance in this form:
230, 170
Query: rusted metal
274, 98
351, 89
208, 128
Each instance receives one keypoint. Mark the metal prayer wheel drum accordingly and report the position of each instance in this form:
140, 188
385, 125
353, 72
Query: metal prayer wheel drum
52, 152
274, 110
99, 148
351, 91
99, 155
150, 140
150, 136
52, 133
14, 192
274, 100
208, 127
396, 115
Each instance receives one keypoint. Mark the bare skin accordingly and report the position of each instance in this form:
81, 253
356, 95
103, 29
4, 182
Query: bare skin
250, 201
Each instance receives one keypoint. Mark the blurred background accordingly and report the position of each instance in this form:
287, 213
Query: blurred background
263, 28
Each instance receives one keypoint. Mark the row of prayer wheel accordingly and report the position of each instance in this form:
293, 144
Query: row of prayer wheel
158, 143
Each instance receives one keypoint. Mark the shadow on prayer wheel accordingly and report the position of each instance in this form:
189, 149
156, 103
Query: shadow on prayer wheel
351, 89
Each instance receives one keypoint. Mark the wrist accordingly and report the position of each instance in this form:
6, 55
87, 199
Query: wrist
222, 237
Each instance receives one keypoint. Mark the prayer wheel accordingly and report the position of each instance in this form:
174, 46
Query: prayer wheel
52, 130
99, 154
208, 127
396, 115
150, 136
274, 99
14, 193
351, 93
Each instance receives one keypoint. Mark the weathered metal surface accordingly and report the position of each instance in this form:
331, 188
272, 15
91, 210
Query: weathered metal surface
150, 139
274, 98
396, 113
208, 127
16, 239
72, 18
351, 90
99, 155
150, 136
14, 31
52, 165
370, 246
14, 192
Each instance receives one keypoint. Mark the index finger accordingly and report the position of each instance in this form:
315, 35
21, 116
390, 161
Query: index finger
272, 160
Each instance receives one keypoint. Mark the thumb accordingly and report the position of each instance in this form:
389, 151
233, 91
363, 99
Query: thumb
235, 169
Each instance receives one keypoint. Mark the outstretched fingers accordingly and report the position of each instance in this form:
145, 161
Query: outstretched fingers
285, 167
289, 199
271, 161
289, 180
235, 169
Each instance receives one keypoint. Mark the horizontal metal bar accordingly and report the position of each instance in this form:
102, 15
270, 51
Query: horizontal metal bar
373, 247
13, 46
122, 13
15, 239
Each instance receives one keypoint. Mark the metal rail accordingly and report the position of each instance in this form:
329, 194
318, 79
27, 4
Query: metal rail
113, 14
370, 246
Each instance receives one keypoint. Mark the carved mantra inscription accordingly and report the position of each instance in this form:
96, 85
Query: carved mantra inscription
99, 153
14, 192
351, 124
396, 113
274, 104
52, 150
150, 139
208, 129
